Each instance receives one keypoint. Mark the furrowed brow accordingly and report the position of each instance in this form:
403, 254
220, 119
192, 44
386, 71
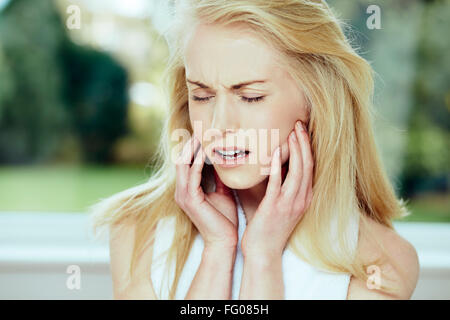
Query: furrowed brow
233, 87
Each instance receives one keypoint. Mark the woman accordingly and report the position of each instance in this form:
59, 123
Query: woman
312, 219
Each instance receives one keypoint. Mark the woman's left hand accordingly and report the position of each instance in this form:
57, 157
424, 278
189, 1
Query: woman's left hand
284, 203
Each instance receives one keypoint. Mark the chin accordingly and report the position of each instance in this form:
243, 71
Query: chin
241, 177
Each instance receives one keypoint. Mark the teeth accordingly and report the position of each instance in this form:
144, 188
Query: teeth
231, 154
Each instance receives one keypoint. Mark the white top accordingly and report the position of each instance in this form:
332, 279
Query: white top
301, 280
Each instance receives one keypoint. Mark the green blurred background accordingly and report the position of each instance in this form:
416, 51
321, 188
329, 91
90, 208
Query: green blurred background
81, 110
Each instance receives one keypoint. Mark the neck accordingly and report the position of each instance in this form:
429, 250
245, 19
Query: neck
251, 198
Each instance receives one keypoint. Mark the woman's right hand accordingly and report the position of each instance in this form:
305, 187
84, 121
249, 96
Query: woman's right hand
215, 213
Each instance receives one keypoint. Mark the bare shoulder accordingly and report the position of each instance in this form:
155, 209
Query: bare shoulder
121, 246
401, 272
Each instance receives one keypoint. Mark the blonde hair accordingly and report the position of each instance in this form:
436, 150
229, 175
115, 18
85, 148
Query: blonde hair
349, 178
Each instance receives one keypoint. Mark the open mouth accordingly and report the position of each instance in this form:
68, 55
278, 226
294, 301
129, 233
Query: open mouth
231, 154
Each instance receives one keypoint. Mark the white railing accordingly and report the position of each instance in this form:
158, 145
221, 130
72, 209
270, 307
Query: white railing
36, 250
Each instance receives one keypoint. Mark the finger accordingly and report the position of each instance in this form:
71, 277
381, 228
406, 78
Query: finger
181, 153
307, 160
220, 186
189, 150
195, 173
196, 147
291, 185
273, 186
303, 206
182, 169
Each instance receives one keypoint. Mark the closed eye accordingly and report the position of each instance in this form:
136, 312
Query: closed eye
255, 99
249, 100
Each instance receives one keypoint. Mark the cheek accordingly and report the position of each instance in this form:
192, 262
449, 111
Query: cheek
194, 114
285, 128
199, 120
283, 117
280, 125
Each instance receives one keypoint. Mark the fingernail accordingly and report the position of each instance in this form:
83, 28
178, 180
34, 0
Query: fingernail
293, 136
299, 126
277, 152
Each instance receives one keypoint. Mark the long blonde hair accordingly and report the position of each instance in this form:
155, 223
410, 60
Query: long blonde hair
349, 178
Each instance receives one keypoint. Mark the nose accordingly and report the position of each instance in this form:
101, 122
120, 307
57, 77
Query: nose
225, 116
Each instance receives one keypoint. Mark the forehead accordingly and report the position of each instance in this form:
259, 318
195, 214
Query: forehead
225, 55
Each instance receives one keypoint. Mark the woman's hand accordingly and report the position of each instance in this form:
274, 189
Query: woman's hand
284, 204
214, 214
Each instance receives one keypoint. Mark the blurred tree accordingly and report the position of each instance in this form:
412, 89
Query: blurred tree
33, 119
51, 89
412, 97
427, 165
96, 95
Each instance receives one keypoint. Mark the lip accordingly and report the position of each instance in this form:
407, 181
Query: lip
229, 163
228, 149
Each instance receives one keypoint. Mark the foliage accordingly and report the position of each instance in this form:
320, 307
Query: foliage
52, 89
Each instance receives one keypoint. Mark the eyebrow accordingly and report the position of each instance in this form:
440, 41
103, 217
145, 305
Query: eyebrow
234, 86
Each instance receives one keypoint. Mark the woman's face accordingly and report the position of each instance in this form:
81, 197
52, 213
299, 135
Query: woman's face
217, 59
